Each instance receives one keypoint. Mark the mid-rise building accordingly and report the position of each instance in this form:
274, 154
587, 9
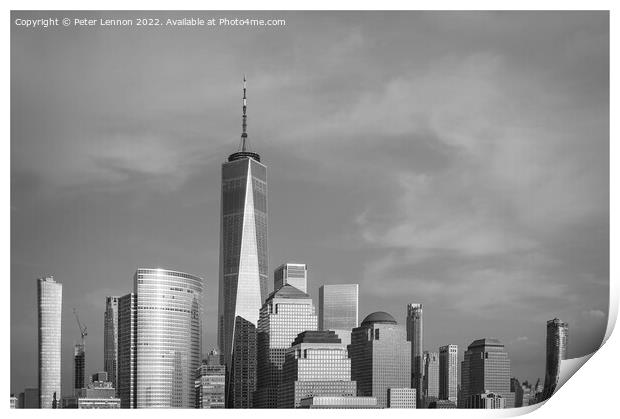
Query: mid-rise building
431, 377
127, 349
286, 313
485, 368
14, 400
557, 339
486, 400
243, 266
448, 372
317, 364
401, 398
210, 383
380, 357
338, 402
442, 404
415, 335
339, 309
49, 303
517, 389
29, 399
79, 366
110, 339
295, 274
168, 328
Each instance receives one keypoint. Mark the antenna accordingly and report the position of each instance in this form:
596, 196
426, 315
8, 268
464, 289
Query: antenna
83, 331
244, 125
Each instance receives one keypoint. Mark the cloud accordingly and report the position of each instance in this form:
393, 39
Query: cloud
595, 314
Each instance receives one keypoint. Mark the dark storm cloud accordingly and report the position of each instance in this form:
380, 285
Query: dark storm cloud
454, 159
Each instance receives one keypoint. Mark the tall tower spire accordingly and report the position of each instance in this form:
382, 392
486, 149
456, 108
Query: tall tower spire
243, 150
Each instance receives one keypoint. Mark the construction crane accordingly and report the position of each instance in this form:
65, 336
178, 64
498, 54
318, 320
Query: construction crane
83, 331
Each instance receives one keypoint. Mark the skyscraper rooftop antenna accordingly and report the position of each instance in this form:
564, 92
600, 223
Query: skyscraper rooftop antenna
244, 124
243, 151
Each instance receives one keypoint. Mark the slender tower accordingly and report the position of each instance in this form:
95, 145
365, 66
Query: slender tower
415, 335
243, 266
557, 337
49, 299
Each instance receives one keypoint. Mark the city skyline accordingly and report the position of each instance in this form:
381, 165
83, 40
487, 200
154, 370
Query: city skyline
76, 207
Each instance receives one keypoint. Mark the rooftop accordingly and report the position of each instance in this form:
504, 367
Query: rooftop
379, 317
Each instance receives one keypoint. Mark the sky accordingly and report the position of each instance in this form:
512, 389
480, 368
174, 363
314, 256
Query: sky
454, 159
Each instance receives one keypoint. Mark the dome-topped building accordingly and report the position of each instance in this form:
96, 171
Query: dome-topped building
379, 317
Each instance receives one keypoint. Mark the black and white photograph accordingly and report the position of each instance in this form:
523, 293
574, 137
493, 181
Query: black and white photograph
319, 209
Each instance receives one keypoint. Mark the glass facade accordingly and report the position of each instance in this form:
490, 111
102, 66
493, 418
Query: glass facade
415, 335
110, 339
486, 367
243, 256
380, 357
49, 303
287, 312
79, 365
317, 364
557, 339
431, 376
210, 383
338, 306
168, 344
295, 274
127, 360
448, 372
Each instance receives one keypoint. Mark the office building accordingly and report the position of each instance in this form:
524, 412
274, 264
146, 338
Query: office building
168, 318
401, 398
380, 357
29, 399
485, 368
415, 335
49, 302
431, 377
341, 402
339, 309
287, 312
14, 401
517, 389
448, 372
557, 339
110, 339
98, 395
316, 364
127, 345
295, 274
79, 365
442, 404
243, 266
486, 400
210, 383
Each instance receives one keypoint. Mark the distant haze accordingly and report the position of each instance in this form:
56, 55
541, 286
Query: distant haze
458, 160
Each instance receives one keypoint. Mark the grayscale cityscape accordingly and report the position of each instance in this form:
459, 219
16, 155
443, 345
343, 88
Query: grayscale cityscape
465, 300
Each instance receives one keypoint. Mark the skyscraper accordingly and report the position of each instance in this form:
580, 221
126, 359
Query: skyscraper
431, 377
339, 309
127, 346
295, 274
557, 339
380, 357
210, 383
287, 312
110, 339
485, 368
49, 303
448, 372
79, 366
168, 317
243, 264
316, 365
415, 335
